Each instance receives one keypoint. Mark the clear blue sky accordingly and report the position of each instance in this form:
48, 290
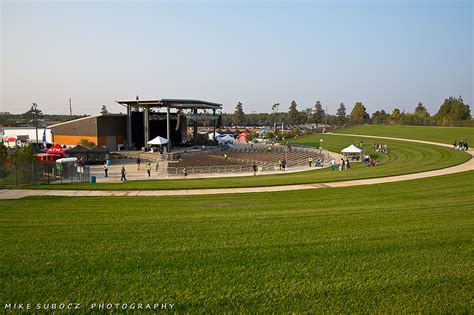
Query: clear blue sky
384, 53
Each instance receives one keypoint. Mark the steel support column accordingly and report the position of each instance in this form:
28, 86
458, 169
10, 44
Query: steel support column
168, 127
146, 125
195, 129
129, 127
215, 122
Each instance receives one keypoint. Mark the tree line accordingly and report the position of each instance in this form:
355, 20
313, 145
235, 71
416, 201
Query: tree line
453, 112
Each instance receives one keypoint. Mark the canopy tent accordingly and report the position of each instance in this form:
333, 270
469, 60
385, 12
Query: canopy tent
158, 141
214, 135
351, 149
47, 157
56, 149
225, 139
98, 154
78, 149
264, 131
243, 136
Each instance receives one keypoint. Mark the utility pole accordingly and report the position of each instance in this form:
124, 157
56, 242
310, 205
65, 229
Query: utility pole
70, 108
326, 115
35, 108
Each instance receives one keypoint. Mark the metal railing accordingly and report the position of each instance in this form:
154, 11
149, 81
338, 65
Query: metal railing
227, 169
175, 156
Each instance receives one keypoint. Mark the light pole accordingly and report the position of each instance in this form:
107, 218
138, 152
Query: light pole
35, 108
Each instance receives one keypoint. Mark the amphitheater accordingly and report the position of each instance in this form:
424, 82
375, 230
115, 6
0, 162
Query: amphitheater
240, 159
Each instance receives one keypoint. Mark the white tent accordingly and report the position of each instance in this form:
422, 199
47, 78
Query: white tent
353, 152
214, 135
158, 141
351, 149
227, 138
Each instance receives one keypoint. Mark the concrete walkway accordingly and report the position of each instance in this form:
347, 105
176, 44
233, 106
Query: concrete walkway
467, 166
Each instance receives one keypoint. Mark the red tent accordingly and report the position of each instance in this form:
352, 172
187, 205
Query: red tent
56, 149
243, 136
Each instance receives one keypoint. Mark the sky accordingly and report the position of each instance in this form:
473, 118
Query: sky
385, 54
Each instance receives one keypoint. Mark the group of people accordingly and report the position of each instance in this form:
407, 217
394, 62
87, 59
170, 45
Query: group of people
380, 147
369, 161
319, 162
123, 172
344, 165
282, 165
460, 145
257, 169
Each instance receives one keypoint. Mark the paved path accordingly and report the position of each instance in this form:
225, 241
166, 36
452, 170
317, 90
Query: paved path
467, 166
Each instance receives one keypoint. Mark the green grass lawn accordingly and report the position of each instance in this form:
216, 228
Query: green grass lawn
398, 247
403, 158
426, 133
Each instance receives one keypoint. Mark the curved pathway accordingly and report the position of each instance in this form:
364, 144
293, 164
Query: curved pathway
467, 166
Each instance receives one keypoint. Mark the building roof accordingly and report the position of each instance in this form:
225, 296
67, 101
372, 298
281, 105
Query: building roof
84, 118
172, 103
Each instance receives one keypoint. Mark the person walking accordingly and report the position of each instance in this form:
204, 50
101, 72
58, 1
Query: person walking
348, 164
123, 172
343, 164
279, 164
254, 167
148, 168
138, 163
106, 170
310, 161
185, 172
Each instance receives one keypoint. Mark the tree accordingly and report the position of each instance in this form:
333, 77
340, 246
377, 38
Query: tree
395, 116
239, 116
318, 115
24, 154
293, 114
86, 143
3, 156
275, 108
104, 110
341, 115
30, 116
421, 111
453, 111
380, 117
359, 114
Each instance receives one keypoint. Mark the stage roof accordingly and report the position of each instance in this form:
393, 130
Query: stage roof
172, 103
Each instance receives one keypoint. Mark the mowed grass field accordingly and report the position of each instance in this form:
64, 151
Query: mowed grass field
425, 133
398, 247
403, 158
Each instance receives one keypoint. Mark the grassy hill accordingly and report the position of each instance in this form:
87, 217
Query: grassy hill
399, 247
426, 133
403, 158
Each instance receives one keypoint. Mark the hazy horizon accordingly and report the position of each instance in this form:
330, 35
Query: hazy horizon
385, 54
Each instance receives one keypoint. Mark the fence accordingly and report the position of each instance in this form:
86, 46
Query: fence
175, 156
14, 173
247, 165
227, 169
